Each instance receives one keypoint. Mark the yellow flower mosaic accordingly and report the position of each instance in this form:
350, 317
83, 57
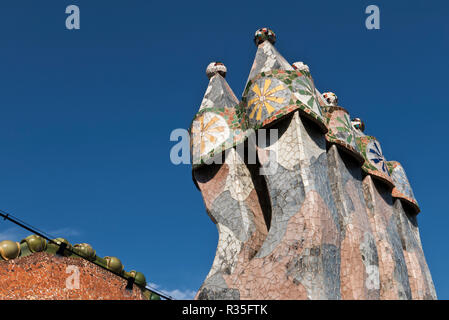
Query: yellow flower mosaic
208, 131
263, 99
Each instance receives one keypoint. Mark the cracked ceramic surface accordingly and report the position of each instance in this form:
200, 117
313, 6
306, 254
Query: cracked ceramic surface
316, 216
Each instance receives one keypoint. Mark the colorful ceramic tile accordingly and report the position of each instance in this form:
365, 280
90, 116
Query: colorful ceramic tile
267, 57
331, 98
342, 133
264, 34
402, 189
217, 125
358, 124
273, 94
305, 222
323, 103
275, 88
305, 90
375, 163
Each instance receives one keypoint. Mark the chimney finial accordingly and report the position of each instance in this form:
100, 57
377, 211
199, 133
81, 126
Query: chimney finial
264, 34
216, 67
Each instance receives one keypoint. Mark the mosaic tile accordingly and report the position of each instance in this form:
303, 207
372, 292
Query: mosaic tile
375, 163
402, 189
359, 274
421, 284
321, 214
393, 272
275, 88
217, 126
341, 132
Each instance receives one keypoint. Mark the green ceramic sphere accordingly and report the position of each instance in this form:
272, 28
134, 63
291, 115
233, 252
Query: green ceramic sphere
155, 297
35, 243
9, 249
59, 241
85, 250
114, 264
139, 278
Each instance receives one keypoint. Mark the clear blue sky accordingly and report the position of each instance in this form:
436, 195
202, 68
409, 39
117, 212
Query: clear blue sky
86, 115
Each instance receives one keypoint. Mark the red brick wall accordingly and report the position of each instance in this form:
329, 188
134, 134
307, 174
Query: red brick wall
43, 276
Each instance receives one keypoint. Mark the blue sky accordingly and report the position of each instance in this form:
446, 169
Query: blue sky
86, 115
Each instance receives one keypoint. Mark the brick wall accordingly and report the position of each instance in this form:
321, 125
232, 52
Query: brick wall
43, 276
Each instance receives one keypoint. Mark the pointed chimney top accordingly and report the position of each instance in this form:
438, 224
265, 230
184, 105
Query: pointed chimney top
218, 93
216, 67
264, 34
267, 57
